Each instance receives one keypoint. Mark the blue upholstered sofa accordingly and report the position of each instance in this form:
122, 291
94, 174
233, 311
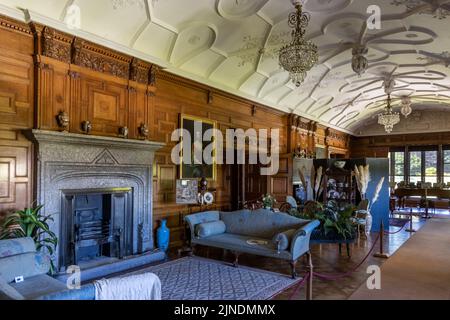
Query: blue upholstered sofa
18, 257
282, 236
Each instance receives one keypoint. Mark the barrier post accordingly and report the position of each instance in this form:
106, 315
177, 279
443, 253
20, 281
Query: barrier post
381, 254
410, 229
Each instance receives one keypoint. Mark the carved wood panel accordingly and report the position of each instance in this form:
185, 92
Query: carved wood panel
16, 89
15, 171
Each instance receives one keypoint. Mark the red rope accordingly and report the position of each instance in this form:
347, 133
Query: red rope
338, 276
306, 277
387, 232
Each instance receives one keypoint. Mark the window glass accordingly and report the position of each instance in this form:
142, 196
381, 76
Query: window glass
431, 166
446, 158
415, 166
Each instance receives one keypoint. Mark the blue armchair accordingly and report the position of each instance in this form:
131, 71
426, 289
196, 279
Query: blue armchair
18, 257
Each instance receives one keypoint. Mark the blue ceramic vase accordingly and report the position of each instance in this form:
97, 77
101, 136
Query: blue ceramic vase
162, 236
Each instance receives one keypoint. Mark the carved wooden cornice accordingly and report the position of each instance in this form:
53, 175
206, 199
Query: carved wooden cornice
69, 49
12, 24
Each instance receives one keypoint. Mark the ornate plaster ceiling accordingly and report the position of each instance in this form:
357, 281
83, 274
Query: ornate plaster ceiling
232, 45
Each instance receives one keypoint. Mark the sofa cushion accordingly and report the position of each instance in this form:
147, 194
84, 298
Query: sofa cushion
207, 229
239, 243
259, 223
38, 286
19, 265
7, 292
12, 247
283, 239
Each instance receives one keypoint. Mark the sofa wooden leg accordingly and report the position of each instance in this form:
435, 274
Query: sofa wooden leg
236, 259
192, 252
310, 279
348, 250
224, 254
293, 272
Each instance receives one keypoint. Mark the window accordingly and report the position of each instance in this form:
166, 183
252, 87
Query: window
397, 171
415, 166
420, 164
431, 165
446, 163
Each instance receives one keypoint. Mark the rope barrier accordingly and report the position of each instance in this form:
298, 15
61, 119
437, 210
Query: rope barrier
346, 274
397, 231
339, 276
306, 277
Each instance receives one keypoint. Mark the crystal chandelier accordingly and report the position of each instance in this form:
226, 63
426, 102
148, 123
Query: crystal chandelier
406, 106
300, 55
388, 118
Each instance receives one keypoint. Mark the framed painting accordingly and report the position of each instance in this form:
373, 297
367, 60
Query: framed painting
197, 127
187, 192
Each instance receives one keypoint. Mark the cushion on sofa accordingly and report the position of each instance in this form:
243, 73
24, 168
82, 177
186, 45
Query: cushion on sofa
7, 292
207, 229
283, 239
260, 223
38, 286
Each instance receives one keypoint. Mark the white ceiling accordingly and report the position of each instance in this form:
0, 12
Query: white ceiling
220, 42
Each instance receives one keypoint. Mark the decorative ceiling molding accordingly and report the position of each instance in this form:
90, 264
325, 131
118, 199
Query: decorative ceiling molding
239, 56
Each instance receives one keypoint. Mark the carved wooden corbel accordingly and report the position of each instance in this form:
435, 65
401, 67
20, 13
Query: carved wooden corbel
210, 97
152, 75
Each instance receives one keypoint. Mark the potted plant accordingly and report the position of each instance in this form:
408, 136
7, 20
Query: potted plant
31, 222
268, 201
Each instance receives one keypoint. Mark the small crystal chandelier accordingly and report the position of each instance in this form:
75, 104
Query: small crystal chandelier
406, 106
300, 55
389, 118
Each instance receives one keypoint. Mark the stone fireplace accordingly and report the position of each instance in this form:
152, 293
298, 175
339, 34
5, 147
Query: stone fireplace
99, 192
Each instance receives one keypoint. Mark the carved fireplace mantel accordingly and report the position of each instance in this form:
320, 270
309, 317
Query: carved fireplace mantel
68, 161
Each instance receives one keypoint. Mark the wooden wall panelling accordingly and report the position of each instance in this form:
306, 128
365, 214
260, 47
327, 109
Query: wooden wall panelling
16, 114
280, 185
15, 171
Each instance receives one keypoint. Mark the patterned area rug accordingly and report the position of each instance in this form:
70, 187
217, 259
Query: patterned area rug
194, 278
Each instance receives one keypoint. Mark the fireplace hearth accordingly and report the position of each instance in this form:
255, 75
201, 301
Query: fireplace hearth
97, 224
99, 192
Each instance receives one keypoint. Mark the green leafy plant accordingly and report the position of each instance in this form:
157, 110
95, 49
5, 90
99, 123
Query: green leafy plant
31, 222
334, 219
268, 201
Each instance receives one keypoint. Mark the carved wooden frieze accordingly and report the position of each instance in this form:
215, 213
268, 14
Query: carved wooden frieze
84, 57
139, 71
54, 46
74, 50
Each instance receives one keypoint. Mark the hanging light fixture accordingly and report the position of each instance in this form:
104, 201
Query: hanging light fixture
300, 55
359, 61
406, 106
388, 118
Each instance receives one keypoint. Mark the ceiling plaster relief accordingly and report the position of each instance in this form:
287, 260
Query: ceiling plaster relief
405, 47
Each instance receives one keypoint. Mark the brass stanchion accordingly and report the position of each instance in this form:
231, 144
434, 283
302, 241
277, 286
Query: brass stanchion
381, 254
410, 229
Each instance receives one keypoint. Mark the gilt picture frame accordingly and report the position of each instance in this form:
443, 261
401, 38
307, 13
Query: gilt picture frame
192, 170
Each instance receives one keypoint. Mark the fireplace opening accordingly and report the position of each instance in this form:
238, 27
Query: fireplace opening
96, 226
